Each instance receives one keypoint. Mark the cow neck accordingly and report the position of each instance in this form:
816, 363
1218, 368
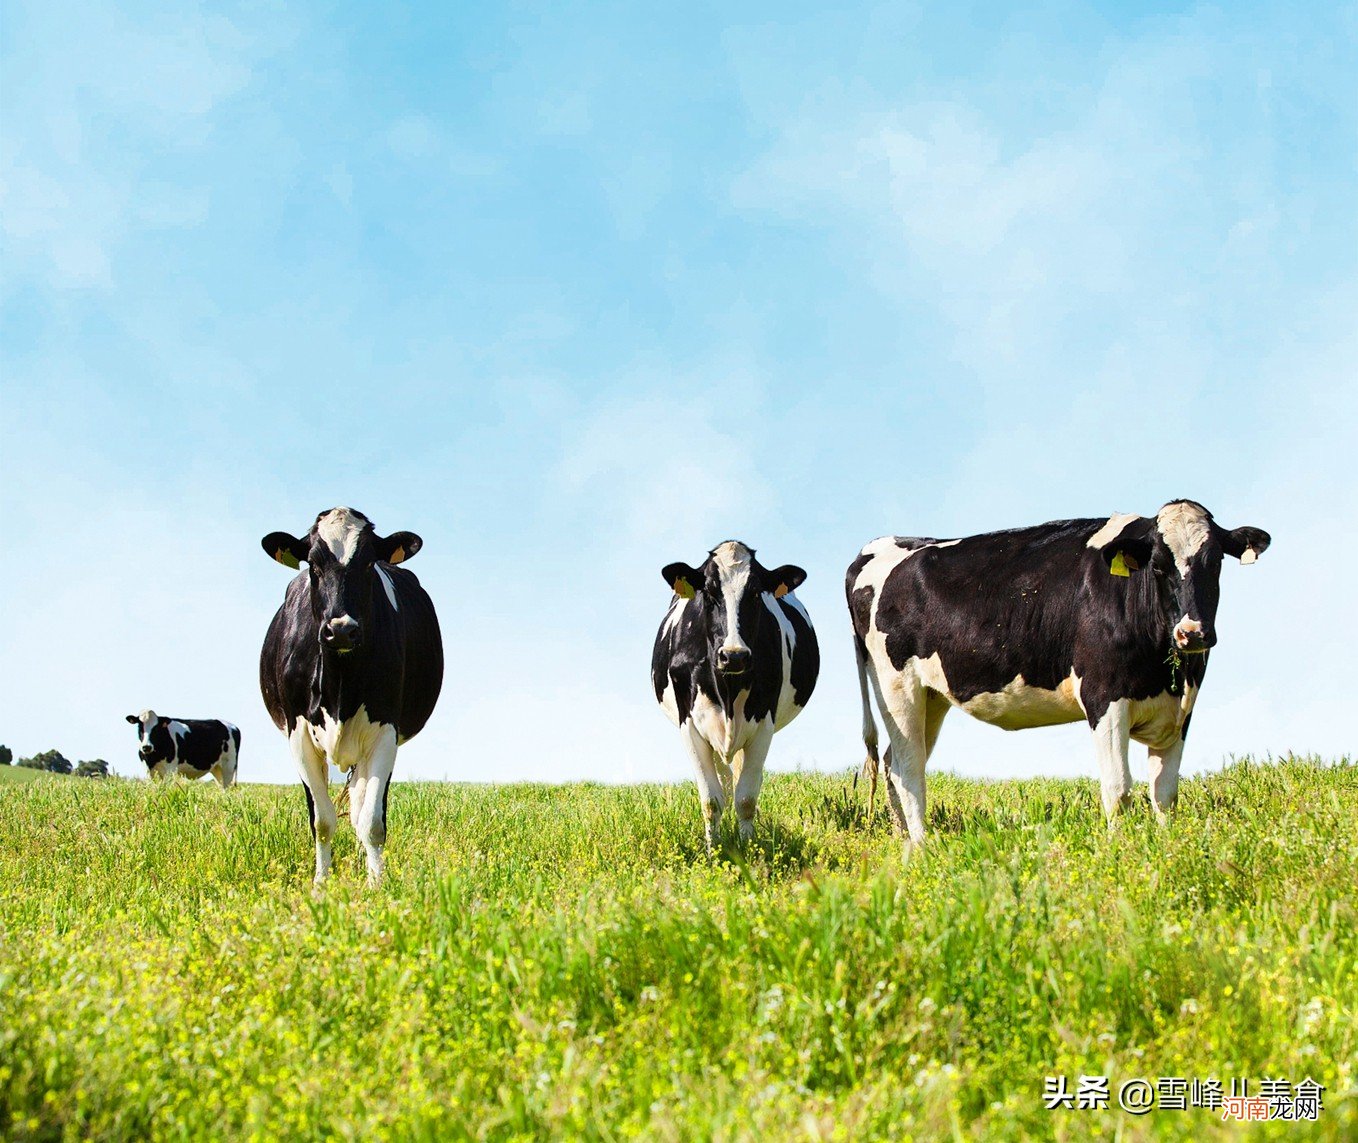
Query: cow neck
728, 688
335, 682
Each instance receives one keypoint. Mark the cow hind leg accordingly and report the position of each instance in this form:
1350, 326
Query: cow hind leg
1112, 738
749, 781
312, 768
372, 816
906, 723
1164, 777
710, 795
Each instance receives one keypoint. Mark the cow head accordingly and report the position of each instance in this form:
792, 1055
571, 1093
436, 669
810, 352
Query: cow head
726, 592
155, 746
341, 553
1182, 547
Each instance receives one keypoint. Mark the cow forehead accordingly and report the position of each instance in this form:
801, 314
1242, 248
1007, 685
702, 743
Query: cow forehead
732, 557
147, 718
1186, 528
340, 530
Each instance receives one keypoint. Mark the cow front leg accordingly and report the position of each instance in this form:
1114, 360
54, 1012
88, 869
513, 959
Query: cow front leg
750, 781
311, 765
371, 824
710, 796
1164, 777
1112, 737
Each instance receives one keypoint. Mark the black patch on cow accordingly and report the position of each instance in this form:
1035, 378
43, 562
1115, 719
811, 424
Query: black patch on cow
310, 809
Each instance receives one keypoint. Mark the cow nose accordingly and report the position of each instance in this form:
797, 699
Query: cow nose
145, 752
342, 633
733, 660
1190, 636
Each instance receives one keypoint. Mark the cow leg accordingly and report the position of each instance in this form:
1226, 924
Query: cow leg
749, 782
357, 784
1112, 737
312, 768
906, 724
1164, 776
372, 817
710, 795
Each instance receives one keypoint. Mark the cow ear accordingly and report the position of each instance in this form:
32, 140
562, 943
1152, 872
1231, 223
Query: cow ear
133, 719
787, 578
398, 547
1130, 550
287, 550
682, 578
1245, 544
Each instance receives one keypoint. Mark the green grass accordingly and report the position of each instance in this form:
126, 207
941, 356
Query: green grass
17, 774
566, 963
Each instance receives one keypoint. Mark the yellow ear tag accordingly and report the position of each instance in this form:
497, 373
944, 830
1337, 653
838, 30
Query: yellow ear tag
1119, 565
683, 588
781, 590
397, 556
287, 559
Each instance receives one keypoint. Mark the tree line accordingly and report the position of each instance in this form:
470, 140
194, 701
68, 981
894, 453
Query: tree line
54, 762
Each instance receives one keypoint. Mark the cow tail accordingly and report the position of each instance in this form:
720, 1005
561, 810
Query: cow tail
871, 765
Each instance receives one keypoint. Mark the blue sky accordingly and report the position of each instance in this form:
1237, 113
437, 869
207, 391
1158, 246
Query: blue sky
578, 294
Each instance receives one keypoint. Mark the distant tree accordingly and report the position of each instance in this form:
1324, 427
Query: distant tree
50, 760
6, 755
93, 768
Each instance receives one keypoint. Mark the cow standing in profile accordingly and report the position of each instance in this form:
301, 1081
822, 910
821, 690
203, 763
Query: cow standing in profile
1106, 620
189, 747
351, 668
735, 660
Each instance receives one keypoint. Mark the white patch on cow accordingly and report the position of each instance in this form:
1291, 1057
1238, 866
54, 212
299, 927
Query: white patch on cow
673, 615
1020, 706
726, 736
350, 742
1186, 528
1111, 530
224, 769
340, 530
786, 708
734, 561
385, 577
1158, 722
668, 703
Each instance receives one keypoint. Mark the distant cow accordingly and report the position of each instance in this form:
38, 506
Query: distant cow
735, 660
191, 747
351, 667
1107, 620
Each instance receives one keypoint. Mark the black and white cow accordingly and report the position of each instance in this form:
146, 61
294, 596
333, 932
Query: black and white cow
190, 747
351, 667
1107, 620
735, 660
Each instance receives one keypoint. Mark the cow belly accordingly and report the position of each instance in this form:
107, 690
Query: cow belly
1021, 707
350, 742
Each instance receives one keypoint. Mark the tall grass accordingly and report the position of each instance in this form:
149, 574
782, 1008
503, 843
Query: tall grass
567, 962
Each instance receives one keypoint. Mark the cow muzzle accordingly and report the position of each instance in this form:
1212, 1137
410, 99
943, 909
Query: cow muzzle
343, 633
146, 751
1191, 638
734, 660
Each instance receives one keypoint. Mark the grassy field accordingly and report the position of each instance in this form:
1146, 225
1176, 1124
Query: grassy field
566, 962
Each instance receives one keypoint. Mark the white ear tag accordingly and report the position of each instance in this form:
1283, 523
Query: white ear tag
1248, 556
